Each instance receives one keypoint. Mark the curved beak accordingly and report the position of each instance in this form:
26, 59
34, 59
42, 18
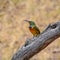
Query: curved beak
27, 21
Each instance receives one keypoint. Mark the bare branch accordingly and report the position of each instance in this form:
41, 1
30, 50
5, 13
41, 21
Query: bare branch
37, 44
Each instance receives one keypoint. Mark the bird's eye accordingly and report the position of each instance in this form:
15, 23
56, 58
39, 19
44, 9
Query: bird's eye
30, 27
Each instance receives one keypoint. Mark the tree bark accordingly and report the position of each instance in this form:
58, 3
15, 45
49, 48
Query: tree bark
36, 44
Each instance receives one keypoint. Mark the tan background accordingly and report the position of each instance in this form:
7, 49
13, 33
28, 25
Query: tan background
14, 31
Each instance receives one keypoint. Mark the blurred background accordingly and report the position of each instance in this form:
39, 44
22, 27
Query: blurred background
14, 30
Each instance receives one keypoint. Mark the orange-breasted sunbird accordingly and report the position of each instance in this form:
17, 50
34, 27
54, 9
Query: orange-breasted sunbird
33, 28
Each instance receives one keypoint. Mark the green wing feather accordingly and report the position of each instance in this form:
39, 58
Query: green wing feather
37, 30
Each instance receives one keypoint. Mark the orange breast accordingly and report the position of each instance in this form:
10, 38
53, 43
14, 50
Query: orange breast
33, 31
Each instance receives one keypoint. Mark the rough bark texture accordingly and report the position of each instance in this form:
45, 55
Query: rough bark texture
36, 44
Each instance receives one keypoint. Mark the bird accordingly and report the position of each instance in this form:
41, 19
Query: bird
33, 28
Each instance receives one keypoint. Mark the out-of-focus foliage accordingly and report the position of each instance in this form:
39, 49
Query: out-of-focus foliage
14, 31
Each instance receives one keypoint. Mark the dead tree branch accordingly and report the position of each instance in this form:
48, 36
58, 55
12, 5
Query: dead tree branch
35, 45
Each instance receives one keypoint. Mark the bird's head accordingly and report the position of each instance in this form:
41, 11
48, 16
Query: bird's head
31, 23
